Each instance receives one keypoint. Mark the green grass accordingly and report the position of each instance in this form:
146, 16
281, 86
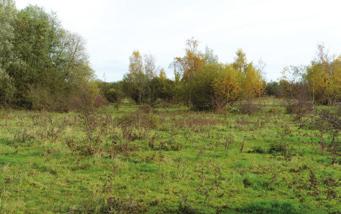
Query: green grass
188, 169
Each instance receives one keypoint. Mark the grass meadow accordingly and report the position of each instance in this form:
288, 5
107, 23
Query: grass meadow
167, 159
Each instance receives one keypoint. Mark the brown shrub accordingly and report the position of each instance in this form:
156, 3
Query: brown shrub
136, 125
137, 120
299, 108
248, 107
146, 109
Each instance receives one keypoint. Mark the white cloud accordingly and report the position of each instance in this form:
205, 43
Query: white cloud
278, 32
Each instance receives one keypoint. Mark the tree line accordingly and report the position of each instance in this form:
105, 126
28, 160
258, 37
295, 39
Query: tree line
204, 83
45, 67
200, 80
319, 82
42, 65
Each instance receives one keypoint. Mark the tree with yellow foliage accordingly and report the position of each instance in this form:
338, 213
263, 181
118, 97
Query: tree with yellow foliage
240, 63
227, 87
336, 78
192, 62
253, 83
322, 77
318, 81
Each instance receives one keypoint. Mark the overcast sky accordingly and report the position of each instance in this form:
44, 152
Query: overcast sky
278, 32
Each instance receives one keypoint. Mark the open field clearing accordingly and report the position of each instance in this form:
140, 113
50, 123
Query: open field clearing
165, 160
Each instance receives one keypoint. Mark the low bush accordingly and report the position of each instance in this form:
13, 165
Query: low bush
165, 145
137, 119
146, 109
81, 147
248, 107
136, 126
299, 108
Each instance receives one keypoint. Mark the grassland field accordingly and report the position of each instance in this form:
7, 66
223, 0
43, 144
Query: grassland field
164, 160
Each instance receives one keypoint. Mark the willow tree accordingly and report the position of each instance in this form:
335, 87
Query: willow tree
7, 18
46, 64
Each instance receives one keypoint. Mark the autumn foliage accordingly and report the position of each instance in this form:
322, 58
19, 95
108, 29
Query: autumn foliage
212, 85
324, 78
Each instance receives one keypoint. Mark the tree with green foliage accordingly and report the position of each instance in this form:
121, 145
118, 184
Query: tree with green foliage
47, 66
272, 89
136, 81
162, 88
113, 92
188, 66
201, 87
7, 18
7, 89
